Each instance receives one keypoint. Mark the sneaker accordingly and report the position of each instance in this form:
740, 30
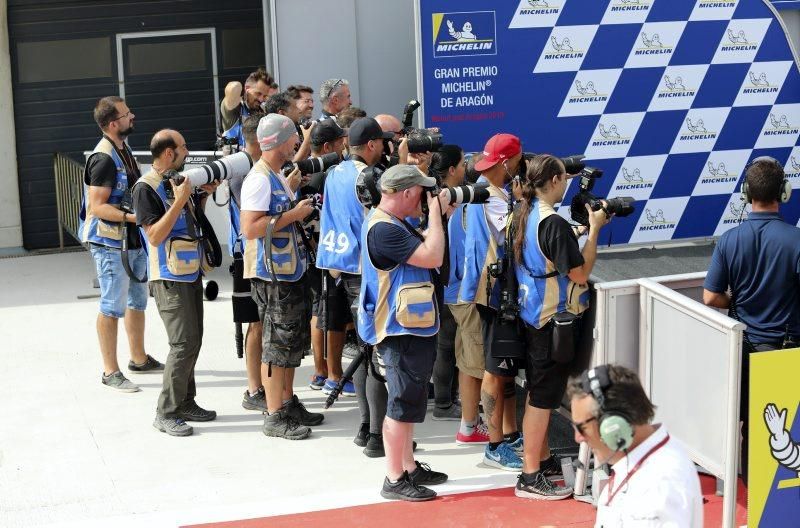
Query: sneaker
172, 426
406, 490
348, 389
540, 488
255, 402
118, 381
374, 447
150, 365
502, 458
479, 436
448, 414
281, 425
317, 382
298, 411
425, 476
191, 412
362, 435
551, 467
351, 349
517, 446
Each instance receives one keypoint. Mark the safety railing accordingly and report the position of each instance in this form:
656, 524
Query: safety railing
69, 192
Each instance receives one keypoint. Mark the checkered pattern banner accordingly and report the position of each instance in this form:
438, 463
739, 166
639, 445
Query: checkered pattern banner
670, 98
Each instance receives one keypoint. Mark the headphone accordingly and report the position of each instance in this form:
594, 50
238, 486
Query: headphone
784, 191
616, 431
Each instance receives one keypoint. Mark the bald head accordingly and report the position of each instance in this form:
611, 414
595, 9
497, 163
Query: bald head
168, 145
389, 123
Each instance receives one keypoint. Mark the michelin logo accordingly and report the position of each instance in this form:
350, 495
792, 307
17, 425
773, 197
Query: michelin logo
674, 88
718, 174
627, 6
610, 136
587, 93
562, 49
697, 130
652, 45
738, 41
780, 126
737, 210
464, 34
633, 181
759, 84
540, 7
656, 221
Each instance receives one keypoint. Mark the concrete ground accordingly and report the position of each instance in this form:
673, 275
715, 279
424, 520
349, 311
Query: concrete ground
75, 453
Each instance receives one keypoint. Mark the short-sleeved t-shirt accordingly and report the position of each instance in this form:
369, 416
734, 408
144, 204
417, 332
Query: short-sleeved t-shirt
102, 172
228, 117
148, 205
390, 245
559, 244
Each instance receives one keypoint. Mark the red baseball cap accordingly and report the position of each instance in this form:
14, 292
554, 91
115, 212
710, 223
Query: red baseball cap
500, 147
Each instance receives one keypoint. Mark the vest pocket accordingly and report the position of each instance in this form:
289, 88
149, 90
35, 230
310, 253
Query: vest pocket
110, 230
415, 305
281, 250
183, 257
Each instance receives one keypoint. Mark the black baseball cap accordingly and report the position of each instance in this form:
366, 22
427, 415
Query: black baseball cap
326, 131
366, 129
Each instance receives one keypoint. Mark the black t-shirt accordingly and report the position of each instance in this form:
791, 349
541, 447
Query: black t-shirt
148, 205
102, 172
559, 244
390, 245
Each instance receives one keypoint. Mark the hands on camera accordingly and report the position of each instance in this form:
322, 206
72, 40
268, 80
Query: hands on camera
182, 191
597, 219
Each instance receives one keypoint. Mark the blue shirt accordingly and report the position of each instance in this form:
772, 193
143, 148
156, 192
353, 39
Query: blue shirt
760, 261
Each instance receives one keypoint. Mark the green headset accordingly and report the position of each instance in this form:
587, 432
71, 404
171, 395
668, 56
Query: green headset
784, 191
616, 430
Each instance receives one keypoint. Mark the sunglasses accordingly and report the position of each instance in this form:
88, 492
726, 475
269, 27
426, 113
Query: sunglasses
578, 426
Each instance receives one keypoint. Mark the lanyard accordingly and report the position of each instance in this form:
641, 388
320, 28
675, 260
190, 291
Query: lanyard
611, 492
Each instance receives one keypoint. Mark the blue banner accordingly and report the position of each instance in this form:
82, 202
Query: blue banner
670, 98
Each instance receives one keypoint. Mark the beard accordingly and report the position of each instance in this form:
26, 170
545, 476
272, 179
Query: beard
125, 132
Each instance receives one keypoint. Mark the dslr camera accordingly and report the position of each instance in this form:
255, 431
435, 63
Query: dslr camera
620, 206
419, 139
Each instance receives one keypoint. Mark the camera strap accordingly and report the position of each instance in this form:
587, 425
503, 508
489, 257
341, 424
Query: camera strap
126, 265
208, 238
268, 246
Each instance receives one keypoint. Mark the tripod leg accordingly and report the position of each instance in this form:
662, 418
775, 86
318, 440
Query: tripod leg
239, 341
346, 376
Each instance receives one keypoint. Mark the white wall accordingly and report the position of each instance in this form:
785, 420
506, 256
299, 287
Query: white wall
791, 18
368, 42
10, 219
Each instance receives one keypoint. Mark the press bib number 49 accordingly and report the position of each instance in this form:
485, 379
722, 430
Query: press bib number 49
339, 245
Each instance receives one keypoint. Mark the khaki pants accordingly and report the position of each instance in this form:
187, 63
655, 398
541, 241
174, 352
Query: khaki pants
180, 305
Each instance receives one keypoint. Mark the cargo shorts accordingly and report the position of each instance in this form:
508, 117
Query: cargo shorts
285, 311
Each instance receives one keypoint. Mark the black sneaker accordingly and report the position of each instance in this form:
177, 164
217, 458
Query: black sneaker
540, 488
255, 402
362, 435
406, 490
425, 476
301, 415
191, 412
279, 424
374, 447
550, 467
150, 365
351, 349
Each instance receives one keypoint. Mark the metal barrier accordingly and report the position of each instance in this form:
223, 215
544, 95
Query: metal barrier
69, 193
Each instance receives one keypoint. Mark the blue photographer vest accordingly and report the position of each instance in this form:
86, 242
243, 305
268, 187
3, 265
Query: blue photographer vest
480, 250
93, 229
341, 219
235, 244
541, 298
236, 130
401, 301
456, 234
287, 256
180, 257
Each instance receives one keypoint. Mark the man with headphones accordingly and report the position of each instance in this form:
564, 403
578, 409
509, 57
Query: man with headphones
653, 482
759, 261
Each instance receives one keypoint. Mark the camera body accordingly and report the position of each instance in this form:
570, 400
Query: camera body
620, 206
228, 145
419, 139
126, 204
314, 165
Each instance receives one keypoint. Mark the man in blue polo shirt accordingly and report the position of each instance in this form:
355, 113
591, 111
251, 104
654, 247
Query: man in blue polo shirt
760, 262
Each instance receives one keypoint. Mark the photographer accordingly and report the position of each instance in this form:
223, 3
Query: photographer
759, 261
303, 97
552, 273
237, 105
340, 253
447, 167
169, 227
110, 173
335, 97
327, 137
484, 244
281, 103
275, 258
245, 309
398, 313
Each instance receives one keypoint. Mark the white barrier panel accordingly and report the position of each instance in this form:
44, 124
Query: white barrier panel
689, 366
616, 337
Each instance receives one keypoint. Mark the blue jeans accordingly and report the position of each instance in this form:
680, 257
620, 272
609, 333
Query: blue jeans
117, 291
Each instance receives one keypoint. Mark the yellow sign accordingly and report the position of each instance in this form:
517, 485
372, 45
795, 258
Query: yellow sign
774, 436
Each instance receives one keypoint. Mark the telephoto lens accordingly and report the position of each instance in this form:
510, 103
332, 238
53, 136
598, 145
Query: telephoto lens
424, 141
476, 194
238, 164
320, 164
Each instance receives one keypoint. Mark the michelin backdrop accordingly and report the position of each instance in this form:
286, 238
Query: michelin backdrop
671, 98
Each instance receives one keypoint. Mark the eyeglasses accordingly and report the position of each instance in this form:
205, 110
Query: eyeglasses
126, 114
578, 426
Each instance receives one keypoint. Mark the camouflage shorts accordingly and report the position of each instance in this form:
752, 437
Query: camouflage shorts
285, 312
